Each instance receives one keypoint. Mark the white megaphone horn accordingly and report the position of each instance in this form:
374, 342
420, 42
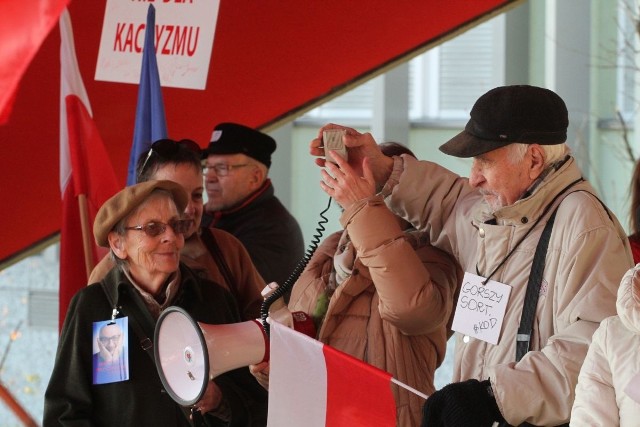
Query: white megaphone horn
189, 354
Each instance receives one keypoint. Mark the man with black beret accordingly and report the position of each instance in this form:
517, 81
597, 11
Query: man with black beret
241, 200
543, 255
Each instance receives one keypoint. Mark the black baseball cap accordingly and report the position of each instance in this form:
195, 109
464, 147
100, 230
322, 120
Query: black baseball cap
508, 114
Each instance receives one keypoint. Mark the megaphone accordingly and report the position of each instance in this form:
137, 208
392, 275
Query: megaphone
189, 354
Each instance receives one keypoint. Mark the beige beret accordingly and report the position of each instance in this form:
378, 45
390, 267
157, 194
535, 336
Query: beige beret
127, 200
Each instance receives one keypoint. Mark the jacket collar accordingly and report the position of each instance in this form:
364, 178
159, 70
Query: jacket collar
266, 190
117, 283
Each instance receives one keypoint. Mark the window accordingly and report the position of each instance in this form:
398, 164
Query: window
447, 80
444, 82
355, 104
627, 50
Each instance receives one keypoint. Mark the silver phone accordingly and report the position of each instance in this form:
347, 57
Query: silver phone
332, 141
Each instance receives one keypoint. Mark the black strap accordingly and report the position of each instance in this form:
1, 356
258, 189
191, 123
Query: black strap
212, 245
145, 341
523, 339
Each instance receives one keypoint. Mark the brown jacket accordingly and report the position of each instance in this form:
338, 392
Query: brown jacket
391, 301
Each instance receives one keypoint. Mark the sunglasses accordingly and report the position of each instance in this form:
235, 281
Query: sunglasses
167, 148
154, 229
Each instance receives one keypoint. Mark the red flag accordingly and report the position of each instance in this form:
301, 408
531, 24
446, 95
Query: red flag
314, 385
86, 174
24, 24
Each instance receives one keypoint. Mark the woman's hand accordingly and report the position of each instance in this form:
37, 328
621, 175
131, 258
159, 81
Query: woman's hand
360, 146
210, 400
344, 185
105, 354
261, 373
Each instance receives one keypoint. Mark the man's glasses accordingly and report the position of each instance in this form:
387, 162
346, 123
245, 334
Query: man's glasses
168, 148
114, 339
154, 229
221, 169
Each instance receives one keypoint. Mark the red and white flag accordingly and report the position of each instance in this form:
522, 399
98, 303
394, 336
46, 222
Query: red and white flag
314, 385
85, 173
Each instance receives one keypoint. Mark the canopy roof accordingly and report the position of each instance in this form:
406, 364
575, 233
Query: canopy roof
271, 61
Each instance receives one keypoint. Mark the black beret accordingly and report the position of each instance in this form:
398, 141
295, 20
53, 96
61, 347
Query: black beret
233, 138
508, 114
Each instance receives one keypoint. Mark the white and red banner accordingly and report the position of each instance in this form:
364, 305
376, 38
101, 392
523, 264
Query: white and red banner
87, 178
314, 385
184, 32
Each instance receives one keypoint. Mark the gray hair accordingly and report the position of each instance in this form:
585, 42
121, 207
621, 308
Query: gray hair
552, 153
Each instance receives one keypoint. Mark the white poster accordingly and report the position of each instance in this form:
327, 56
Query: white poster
183, 38
481, 307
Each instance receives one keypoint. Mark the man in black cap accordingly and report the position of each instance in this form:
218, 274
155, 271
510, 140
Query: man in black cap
523, 322
241, 200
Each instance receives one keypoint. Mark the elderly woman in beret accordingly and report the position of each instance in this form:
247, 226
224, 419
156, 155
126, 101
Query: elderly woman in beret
211, 252
142, 227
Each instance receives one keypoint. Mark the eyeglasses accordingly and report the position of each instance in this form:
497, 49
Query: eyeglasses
168, 148
114, 339
154, 229
221, 169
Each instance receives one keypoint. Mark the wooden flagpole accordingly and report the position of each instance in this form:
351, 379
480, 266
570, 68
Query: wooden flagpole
16, 408
86, 233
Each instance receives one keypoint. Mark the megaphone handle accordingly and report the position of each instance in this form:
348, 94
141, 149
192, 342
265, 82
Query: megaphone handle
197, 417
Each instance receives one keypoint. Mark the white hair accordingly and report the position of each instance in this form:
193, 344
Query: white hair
552, 153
